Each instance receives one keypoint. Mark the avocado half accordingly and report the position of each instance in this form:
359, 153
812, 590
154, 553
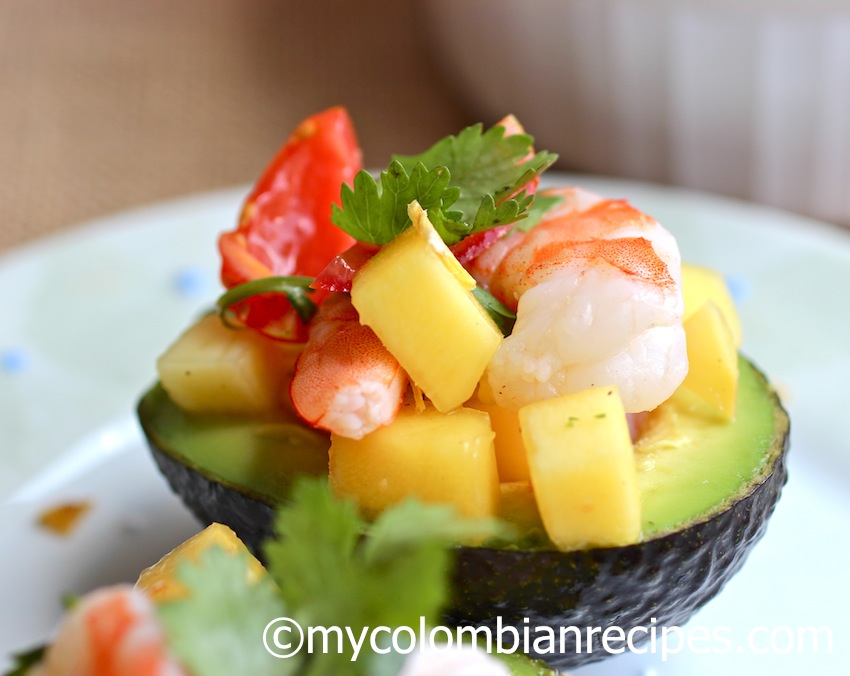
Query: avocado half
696, 534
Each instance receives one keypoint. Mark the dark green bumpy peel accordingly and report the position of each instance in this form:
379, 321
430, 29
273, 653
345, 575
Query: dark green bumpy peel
666, 578
660, 582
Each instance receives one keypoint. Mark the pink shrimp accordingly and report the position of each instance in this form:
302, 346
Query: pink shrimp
345, 380
597, 289
580, 216
111, 632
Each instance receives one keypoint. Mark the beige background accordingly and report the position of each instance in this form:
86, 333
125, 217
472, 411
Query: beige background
110, 104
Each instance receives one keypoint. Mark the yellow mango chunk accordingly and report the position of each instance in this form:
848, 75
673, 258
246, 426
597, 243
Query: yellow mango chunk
160, 582
712, 359
211, 368
417, 298
700, 285
510, 451
435, 457
582, 468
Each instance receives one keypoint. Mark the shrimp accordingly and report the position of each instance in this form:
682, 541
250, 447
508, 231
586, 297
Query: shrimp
597, 290
111, 632
345, 380
580, 216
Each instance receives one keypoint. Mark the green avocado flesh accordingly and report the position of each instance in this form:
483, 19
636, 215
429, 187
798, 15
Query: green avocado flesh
260, 457
689, 464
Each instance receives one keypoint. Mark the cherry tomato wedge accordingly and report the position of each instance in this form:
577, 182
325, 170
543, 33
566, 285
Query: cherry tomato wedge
285, 226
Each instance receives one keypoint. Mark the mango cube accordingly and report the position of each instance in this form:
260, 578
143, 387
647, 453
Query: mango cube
712, 359
583, 471
435, 457
418, 299
700, 285
211, 368
510, 451
160, 581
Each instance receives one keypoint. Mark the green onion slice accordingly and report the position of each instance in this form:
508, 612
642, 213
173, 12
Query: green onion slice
295, 288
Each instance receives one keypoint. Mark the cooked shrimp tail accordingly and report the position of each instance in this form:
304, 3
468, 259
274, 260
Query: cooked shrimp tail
345, 380
111, 632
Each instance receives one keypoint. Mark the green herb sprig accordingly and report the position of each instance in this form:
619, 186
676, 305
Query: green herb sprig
329, 568
217, 629
467, 183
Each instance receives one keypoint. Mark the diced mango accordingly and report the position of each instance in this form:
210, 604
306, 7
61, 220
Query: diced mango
700, 285
510, 452
583, 469
418, 299
518, 506
212, 368
436, 457
712, 359
160, 581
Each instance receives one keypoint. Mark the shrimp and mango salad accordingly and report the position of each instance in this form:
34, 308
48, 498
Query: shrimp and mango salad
459, 333
206, 607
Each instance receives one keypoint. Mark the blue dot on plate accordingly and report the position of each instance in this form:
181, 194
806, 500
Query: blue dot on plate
739, 287
192, 282
14, 360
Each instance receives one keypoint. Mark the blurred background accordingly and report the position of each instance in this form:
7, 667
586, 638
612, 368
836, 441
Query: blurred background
110, 104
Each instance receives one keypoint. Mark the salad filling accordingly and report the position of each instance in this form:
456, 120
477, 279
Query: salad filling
450, 325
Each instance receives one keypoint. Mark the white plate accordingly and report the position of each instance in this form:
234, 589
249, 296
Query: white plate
85, 314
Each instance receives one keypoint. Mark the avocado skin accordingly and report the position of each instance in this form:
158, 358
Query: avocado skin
667, 578
212, 501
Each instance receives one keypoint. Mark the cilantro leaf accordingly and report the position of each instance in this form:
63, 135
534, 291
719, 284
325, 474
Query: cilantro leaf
535, 214
429, 187
490, 214
360, 214
334, 569
411, 522
484, 163
316, 537
217, 629
411, 542
377, 216
467, 183
311, 561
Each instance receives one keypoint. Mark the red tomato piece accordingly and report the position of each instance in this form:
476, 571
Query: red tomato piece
468, 249
285, 226
339, 273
